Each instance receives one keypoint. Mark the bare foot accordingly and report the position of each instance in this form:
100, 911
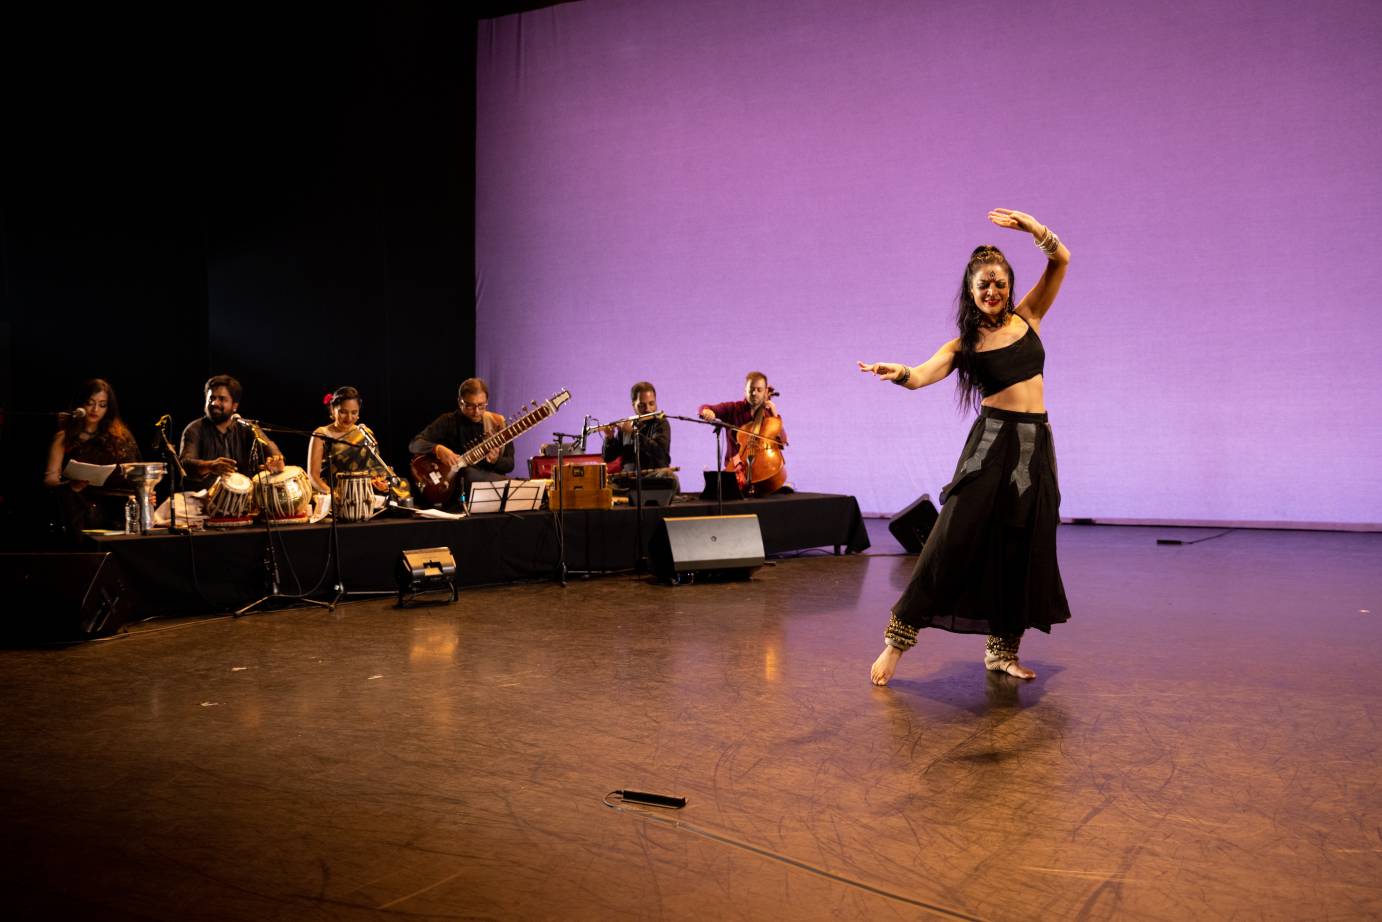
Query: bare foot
1011, 666
885, 665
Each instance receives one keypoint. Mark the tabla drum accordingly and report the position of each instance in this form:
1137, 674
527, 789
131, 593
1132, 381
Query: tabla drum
284, 498
229, 502
353, 497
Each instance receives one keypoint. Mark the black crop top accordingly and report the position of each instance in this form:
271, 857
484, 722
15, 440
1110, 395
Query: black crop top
1001, 368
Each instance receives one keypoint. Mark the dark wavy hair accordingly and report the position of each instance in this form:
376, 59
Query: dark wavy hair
110, 430
969, 319
341, 394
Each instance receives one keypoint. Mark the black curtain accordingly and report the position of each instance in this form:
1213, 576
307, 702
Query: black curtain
287, 199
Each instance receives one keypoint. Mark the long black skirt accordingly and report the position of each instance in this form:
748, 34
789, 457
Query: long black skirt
989, 564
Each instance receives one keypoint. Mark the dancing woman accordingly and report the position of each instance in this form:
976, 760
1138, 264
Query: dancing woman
989, 564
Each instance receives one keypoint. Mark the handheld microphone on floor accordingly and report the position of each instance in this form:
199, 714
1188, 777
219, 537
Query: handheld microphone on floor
653, 800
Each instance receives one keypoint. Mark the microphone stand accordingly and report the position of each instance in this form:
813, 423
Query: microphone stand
640, 559
179, 475
270, 557
720, 425
562, 571
639, 562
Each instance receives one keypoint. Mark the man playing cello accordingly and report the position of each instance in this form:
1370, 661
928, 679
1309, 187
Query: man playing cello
758, 413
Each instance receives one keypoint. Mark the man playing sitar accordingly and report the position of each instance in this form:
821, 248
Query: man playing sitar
451, 433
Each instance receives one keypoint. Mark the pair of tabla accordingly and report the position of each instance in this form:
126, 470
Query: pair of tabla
235, 499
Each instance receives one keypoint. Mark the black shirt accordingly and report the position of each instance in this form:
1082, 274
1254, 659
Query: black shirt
202, 441
656, 448
456, 431
997, 369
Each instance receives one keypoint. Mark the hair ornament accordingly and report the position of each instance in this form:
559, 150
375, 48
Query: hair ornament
330, 396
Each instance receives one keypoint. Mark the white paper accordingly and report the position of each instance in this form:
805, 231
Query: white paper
437, 514
94, 474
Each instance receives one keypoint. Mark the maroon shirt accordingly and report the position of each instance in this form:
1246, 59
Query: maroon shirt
736, 413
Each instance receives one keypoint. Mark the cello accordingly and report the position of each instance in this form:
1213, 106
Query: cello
758, 465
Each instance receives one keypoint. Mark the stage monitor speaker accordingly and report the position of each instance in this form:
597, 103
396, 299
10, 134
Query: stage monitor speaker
653, 496
706, 546
63, 597
912, 525
425, 569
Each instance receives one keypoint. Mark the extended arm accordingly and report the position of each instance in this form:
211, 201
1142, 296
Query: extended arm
914, 377
432, 436
1038, 301
709, 411
201, 469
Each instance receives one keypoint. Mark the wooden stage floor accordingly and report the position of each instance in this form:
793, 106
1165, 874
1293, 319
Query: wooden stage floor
1202, 742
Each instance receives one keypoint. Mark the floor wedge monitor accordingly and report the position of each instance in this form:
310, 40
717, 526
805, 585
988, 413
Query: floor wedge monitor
912, 525
62, 597
705, 547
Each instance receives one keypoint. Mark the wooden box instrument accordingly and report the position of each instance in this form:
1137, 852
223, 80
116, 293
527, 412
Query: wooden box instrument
584, 486
544, 466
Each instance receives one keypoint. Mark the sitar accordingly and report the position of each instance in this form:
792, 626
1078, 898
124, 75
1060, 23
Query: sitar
437, 482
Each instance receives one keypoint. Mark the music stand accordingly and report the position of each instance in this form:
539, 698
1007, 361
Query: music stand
721, 485
505, 496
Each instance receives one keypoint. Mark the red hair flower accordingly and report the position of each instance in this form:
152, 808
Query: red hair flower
326, 401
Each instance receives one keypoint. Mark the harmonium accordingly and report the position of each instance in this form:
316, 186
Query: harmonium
584, 482
543, 467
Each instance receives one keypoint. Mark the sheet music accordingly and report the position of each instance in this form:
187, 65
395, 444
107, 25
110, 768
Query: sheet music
94, 474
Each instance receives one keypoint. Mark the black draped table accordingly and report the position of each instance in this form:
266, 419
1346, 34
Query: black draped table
222, 570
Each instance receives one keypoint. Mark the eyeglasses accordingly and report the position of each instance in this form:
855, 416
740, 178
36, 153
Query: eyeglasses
467, 405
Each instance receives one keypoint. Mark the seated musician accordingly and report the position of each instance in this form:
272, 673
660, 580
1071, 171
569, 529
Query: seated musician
450, 434
351, 452
742, 412
219, 443
97, 435
654, 435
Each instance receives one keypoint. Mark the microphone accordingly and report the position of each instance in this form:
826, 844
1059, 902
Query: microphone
79, 413
253, 426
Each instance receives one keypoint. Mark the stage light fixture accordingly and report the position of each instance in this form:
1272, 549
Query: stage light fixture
427, 569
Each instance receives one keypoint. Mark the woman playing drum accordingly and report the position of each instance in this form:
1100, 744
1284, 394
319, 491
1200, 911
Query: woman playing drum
352, 453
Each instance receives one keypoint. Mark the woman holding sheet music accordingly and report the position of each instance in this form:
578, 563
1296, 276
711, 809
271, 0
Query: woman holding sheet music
93, 433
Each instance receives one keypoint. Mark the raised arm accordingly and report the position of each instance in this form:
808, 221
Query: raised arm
914, 377
1038, 301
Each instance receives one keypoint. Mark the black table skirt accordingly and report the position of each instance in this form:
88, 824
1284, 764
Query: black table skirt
222, 570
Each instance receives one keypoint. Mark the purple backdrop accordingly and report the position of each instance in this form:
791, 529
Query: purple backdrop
682, 191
